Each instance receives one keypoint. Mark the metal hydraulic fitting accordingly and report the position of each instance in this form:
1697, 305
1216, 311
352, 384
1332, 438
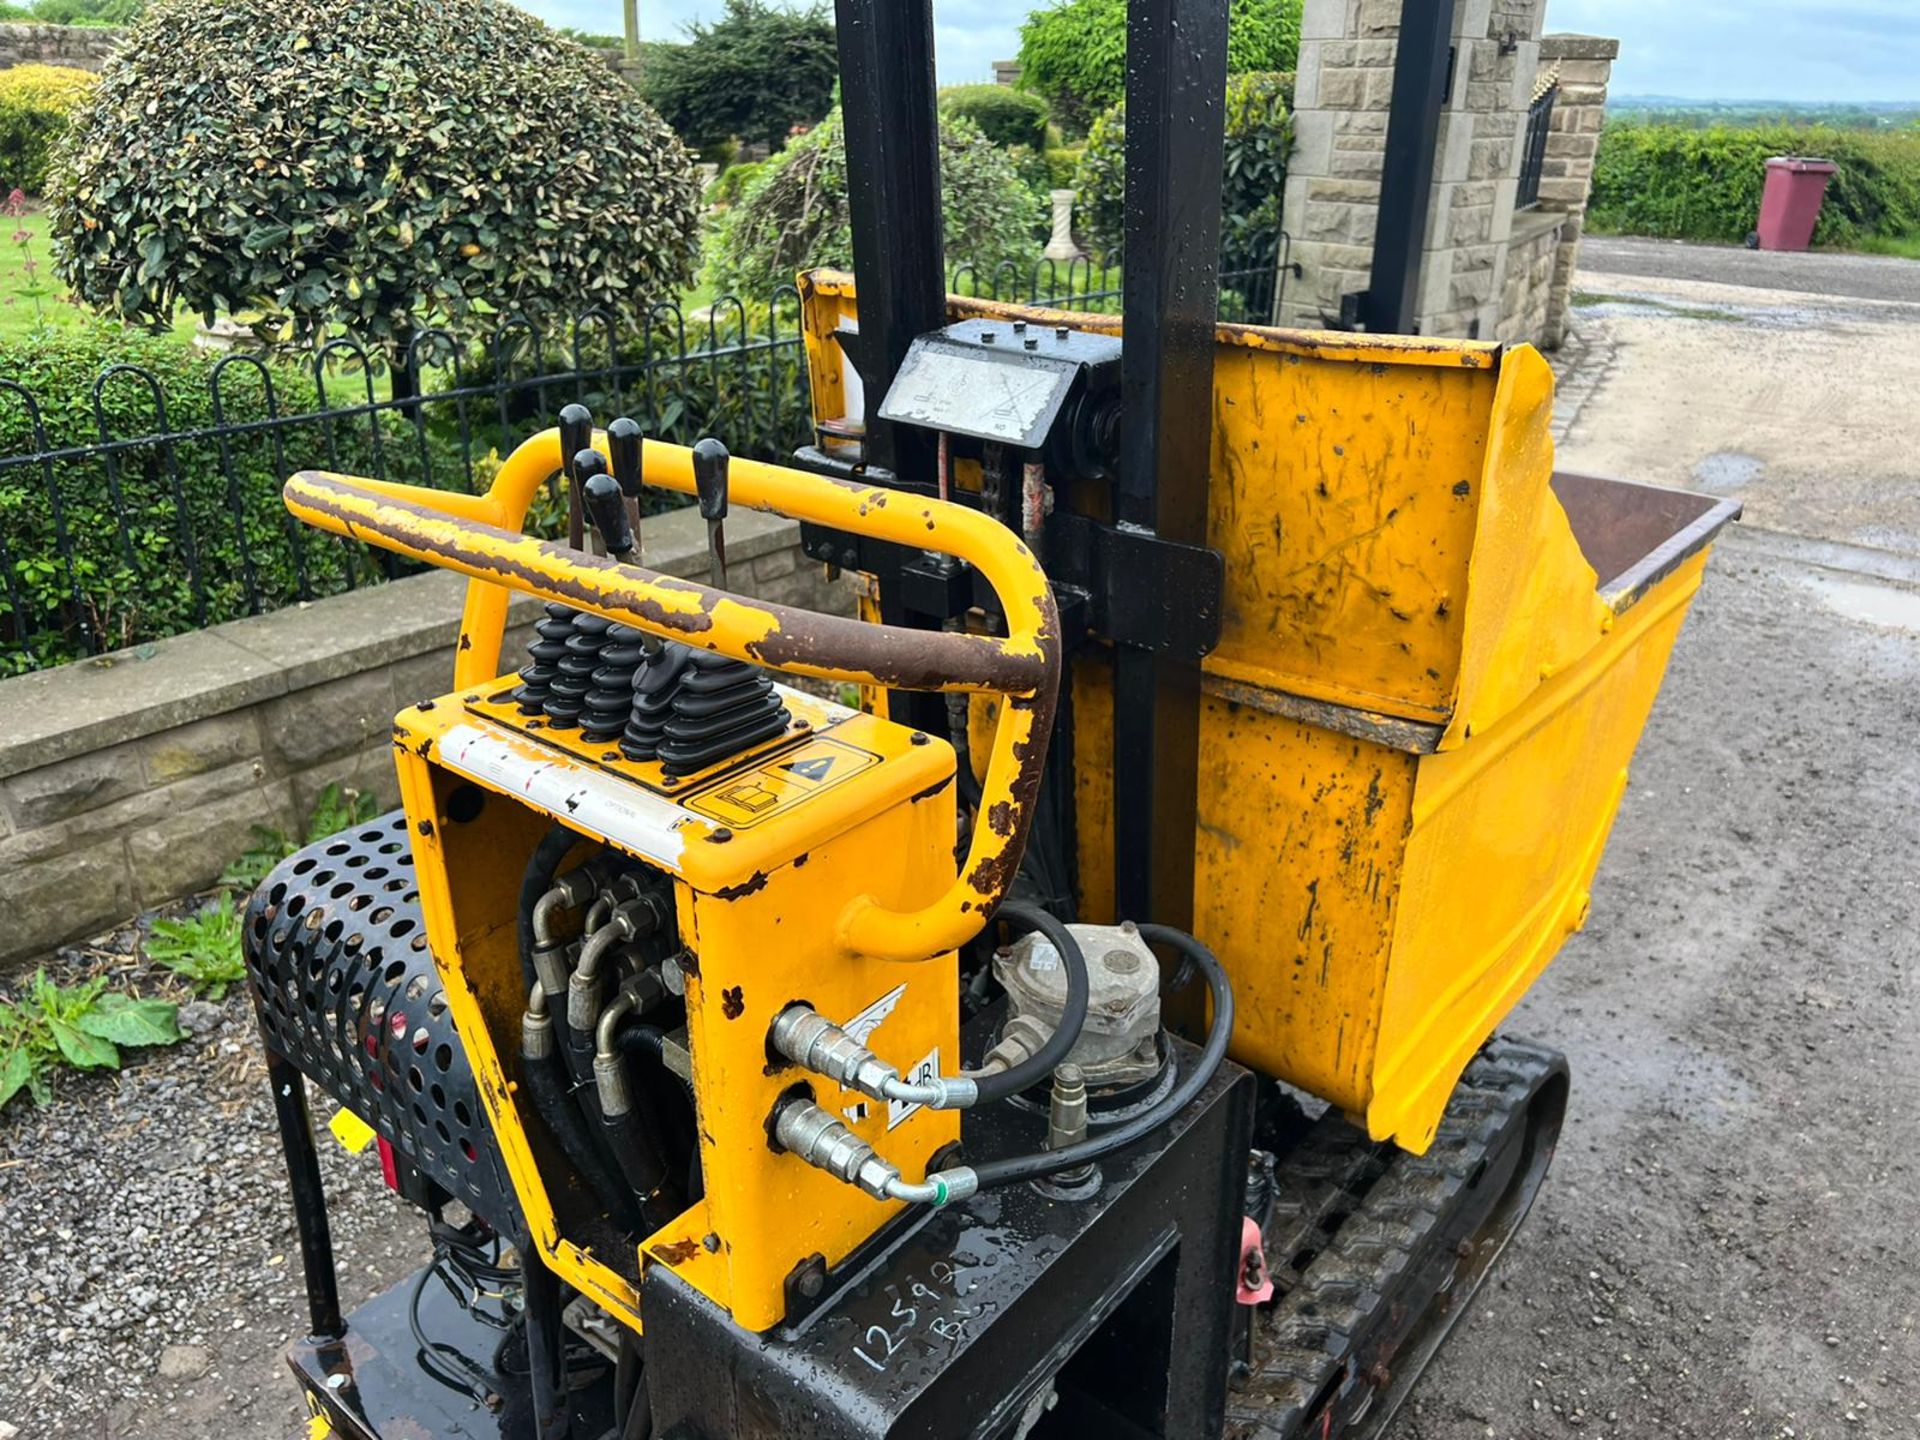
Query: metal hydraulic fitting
1020, 1040
609, 1069
1067, 1108
536, 1026
629, 921
815, 1043
824, 1142
1067, 1119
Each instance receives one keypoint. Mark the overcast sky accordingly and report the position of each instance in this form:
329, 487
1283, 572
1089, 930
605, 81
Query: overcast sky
1700, 49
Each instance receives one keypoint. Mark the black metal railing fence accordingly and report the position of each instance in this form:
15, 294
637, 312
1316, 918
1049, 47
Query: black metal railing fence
1533, 157
150, 505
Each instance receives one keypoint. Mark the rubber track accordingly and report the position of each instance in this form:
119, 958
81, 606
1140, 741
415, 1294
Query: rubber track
1368, 1237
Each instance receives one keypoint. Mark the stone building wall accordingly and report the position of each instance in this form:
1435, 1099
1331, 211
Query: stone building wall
136, 778
1343, 98
83, 47
1526, 302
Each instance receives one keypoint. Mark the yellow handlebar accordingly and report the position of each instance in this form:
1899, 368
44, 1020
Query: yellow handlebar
479, 536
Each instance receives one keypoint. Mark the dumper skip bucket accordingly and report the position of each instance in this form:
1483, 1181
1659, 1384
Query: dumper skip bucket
1436, 660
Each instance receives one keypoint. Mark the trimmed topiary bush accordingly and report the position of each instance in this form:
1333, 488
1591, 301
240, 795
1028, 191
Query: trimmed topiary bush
1075, 51
1006, 116
1063, 166
36, 104
379, 164
1686, 184
794, 216
1259, 134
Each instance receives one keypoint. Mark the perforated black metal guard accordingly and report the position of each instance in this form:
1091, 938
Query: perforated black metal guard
345, 989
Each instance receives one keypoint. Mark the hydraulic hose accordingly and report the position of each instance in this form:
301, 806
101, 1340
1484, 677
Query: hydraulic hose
1219, 1029
651, 1040
630, 1118
542, 868
547, 1086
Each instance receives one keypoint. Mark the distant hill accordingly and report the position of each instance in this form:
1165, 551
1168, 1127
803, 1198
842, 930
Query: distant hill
1845, 114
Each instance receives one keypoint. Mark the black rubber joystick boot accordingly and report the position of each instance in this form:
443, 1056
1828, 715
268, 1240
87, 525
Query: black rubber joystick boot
543, 659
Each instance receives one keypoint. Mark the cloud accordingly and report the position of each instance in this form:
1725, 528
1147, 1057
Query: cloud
1806, 50
968, 35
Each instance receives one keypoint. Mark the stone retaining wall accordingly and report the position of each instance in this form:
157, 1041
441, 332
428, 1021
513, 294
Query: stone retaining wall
1532, 258
83, 47
135, 778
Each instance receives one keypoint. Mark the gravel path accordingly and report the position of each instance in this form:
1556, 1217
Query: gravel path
149, 1276
1723, 1250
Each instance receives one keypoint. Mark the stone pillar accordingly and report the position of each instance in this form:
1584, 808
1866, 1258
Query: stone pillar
1342, 98
1585, 64
1006, 72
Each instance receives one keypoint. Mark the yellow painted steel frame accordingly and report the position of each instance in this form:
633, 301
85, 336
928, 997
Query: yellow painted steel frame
844, 897
1416, 726
756, 900
478, 536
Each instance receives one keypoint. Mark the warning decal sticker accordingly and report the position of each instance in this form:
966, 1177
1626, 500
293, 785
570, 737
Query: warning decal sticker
744, 800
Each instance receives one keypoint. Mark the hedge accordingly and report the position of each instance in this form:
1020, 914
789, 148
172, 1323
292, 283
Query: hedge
35, 104
136, 587
1259, 134
71, 582
1006, 116
1687, 184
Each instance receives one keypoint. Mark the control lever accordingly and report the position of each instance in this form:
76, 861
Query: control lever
606, 505
624, 438
710, 461
576, 435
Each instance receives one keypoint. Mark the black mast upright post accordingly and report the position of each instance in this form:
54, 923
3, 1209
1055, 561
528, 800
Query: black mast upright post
893, 196
1421, 66
1176, 86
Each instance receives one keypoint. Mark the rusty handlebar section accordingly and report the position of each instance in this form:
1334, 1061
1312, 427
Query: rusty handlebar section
480, 537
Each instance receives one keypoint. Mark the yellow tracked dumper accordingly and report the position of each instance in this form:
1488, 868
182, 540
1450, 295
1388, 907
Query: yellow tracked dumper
1058, 999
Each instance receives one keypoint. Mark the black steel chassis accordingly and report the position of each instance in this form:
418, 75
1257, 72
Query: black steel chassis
1013, 1295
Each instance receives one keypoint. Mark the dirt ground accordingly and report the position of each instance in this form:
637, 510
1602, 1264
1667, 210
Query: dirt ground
1725, 1246
1798, 404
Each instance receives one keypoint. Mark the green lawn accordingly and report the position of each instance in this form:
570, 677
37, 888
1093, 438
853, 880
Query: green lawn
1907, 247
21, 311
